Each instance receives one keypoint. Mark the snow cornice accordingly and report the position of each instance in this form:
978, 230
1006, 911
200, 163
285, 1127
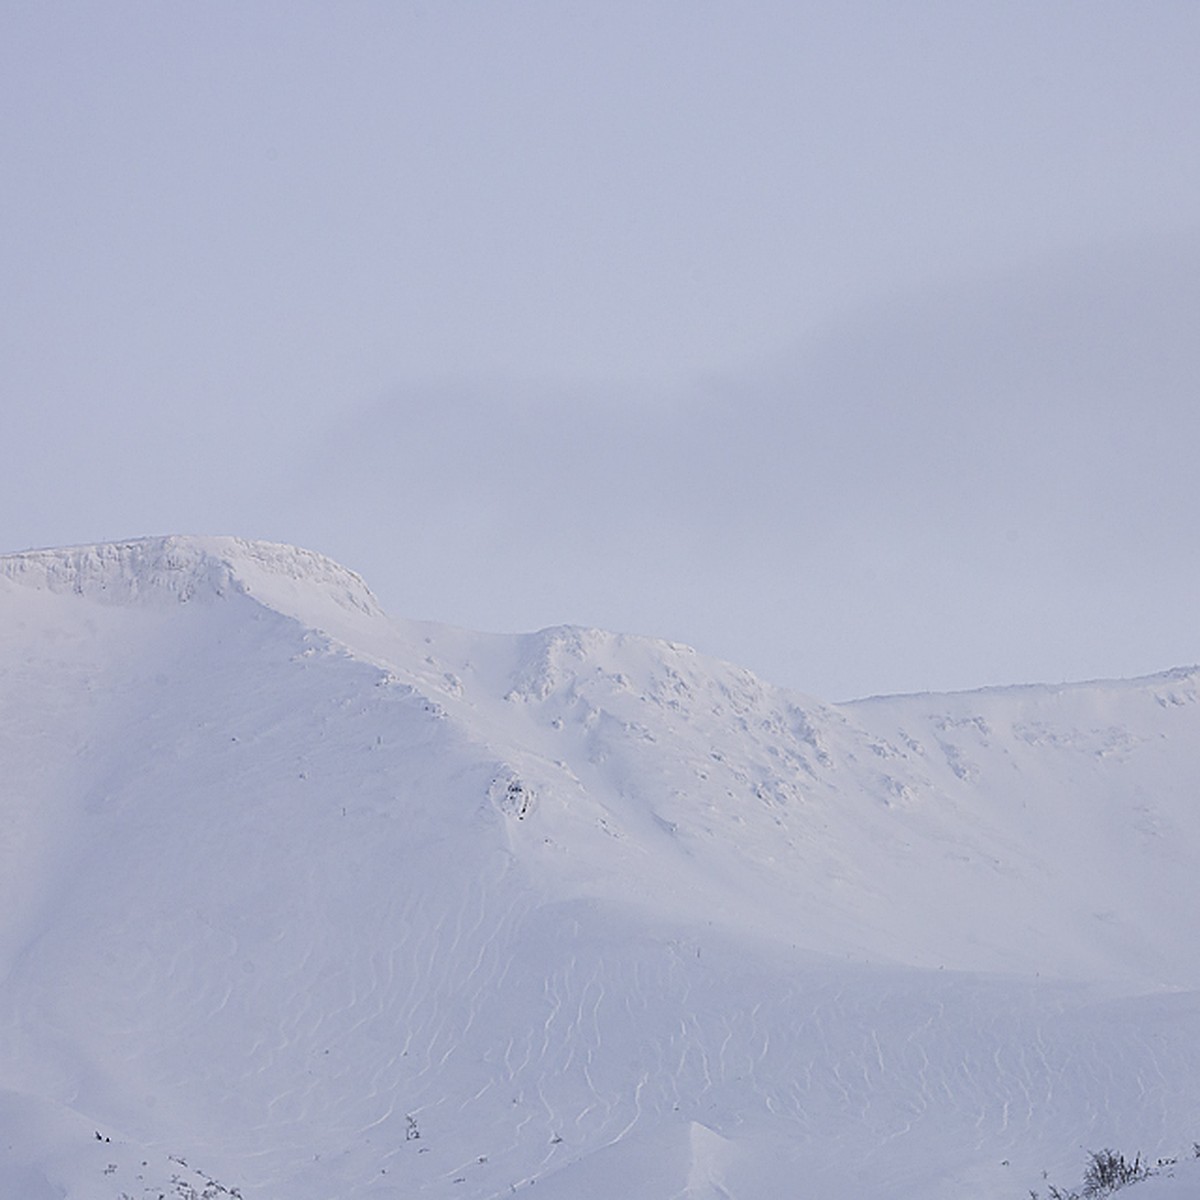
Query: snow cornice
180, 569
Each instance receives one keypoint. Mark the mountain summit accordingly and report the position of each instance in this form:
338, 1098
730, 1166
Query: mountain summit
306, 901
184, 568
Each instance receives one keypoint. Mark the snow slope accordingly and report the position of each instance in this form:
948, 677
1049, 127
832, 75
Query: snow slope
309, 903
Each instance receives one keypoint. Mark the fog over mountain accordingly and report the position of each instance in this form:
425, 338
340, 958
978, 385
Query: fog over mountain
307, 902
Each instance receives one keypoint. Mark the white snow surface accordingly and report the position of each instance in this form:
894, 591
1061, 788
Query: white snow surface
303, 902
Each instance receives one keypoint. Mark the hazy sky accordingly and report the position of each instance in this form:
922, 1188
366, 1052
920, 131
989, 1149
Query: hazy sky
857, 342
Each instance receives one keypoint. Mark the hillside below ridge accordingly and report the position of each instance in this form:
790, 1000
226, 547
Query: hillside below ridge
181, 568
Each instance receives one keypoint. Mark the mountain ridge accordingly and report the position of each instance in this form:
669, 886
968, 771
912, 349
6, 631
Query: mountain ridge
336, 906
182, 567
185, 567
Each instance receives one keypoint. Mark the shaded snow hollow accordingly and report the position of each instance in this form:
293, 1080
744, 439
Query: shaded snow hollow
303, 900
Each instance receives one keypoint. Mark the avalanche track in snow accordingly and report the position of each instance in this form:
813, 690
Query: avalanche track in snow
303, 902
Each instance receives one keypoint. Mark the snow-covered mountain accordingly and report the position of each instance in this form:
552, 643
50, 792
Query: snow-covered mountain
304, 902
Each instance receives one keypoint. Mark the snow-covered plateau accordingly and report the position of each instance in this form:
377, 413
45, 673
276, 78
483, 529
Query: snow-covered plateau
304, 902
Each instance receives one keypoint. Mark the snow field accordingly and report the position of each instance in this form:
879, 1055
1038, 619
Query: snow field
330, 905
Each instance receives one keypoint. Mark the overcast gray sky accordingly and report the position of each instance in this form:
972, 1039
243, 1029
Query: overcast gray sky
854, 342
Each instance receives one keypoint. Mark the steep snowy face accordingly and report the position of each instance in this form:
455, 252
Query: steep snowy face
1069, 814
640, 772
1036, 830
153, 570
